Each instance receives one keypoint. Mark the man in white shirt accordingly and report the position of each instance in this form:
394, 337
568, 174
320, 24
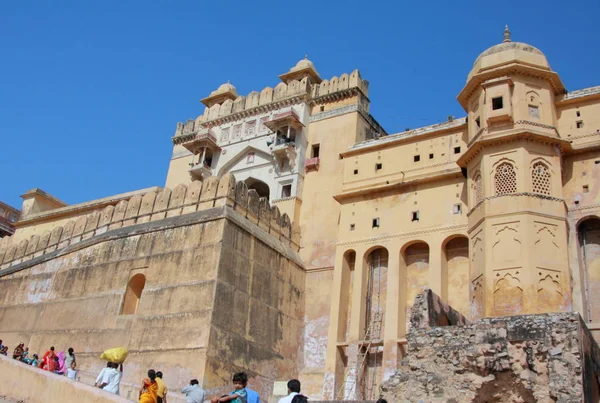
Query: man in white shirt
293, 389
112, 379
101, 374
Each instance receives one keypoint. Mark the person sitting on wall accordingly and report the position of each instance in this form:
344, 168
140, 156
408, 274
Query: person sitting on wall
4, 350
239, 395
46, 358
72, 371
69, 358
35, 360
193, 392
18, 352
293, 386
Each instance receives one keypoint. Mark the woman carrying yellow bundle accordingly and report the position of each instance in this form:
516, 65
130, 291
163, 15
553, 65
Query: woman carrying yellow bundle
149, 391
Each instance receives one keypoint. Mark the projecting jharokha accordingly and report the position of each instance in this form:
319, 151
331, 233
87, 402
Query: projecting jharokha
294, 233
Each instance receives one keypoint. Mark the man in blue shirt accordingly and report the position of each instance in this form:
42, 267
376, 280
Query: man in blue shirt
252, 396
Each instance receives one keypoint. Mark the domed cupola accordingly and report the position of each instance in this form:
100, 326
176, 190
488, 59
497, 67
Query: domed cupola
509, 52
224, 92
302, 69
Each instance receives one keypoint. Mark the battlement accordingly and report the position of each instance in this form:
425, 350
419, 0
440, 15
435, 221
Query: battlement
271, 98
153, 206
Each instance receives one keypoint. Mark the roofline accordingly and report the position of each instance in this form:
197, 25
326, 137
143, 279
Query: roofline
398, 138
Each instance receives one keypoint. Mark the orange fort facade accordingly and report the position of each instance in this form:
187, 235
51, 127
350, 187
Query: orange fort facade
293, 232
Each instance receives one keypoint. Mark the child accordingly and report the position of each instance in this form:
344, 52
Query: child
35, 361
239, 395
72, 372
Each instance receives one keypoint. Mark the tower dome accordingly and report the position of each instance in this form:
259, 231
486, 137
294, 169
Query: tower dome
302, 69
509, 52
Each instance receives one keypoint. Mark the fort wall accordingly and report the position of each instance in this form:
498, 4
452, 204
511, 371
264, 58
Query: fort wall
222, 288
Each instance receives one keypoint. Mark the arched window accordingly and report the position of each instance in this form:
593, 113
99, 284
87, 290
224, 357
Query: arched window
540, 179
478, 188
133, 294
261, 188
505, 179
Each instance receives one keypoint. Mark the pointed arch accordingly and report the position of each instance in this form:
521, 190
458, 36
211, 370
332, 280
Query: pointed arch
241, 155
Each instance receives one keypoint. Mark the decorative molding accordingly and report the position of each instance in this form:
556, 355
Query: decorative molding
530, 194
334, 112
285, 199
453, 163
452, 228
586, 207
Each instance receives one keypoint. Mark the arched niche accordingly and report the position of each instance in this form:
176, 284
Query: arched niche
133, 294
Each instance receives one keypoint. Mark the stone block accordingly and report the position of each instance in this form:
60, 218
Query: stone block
132, 211
209, 192
241, 198
253, 206
161, 204
66, 234
192, 197
177, 200
146, 208
264, 213
118, 215
226, 191
92, 223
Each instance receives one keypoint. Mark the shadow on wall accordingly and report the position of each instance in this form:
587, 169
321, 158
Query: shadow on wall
152, 206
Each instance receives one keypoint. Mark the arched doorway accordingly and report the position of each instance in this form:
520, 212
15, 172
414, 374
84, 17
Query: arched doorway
456, 273
588, 233
261, 187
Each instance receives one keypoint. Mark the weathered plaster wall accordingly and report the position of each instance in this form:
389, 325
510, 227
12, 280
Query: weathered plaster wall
224, 291
24, 383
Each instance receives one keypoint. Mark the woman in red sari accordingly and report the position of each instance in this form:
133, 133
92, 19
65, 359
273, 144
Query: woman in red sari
149, 391
48, 359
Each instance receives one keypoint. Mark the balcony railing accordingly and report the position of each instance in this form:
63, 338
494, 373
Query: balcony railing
200, 171
311, 164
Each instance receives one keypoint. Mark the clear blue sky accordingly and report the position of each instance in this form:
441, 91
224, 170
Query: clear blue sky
91, 90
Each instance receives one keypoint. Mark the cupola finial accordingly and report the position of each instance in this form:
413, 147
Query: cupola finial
506, 34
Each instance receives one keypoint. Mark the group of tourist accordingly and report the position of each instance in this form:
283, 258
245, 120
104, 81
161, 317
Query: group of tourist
61, 363
153, 388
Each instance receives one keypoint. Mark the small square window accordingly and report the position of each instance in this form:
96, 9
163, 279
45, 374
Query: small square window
417, 158
597, 162
456, 150
322, 108
352, 227
457, 209
356, 172
478, 122
579, 124
497, 103
415, 216
286, 190
586, 188
375, 223
316, 148
378, 166
430, 156
578, 113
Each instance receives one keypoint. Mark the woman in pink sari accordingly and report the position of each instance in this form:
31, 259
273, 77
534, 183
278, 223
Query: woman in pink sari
61, 364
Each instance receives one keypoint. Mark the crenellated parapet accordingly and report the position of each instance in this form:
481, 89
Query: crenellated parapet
224, 104
154, 206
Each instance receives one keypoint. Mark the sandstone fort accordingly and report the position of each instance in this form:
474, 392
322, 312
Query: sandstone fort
296, 238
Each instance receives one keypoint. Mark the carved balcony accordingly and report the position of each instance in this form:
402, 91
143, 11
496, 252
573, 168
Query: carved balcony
200, 172
204, 138
311, 164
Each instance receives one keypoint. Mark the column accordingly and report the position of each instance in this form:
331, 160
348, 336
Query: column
392, 311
